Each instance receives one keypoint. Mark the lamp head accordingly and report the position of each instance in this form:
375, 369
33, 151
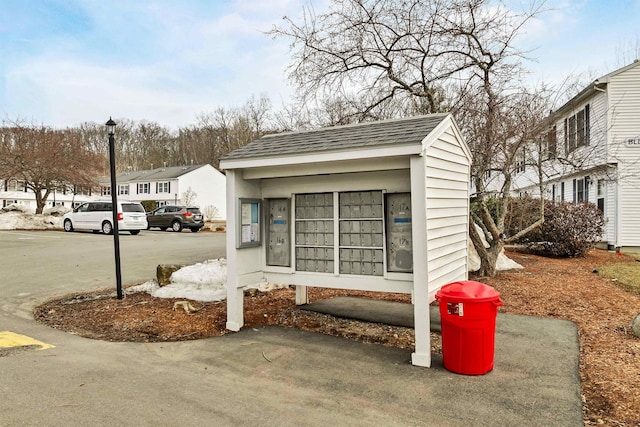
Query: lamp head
111, 127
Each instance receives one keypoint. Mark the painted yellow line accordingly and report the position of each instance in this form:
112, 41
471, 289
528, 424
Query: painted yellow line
10, 339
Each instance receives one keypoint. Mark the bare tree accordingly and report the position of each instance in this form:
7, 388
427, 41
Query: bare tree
189, 197
426, 56
45, 159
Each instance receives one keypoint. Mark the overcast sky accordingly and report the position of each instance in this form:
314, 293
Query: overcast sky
64, 62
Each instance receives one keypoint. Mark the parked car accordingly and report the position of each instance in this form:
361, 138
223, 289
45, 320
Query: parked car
97, 216
176, 218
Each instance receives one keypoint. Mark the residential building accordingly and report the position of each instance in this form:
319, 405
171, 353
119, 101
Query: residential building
199, 185
15, 192
591, 153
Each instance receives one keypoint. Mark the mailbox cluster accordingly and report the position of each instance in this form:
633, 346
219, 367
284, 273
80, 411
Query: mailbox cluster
314, 259
361, 261
314, 232
361, 227
361, 239
361, 233
361, 204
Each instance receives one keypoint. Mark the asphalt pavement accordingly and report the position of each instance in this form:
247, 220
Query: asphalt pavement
278, 376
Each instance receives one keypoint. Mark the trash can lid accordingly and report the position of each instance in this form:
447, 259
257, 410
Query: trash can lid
468, 290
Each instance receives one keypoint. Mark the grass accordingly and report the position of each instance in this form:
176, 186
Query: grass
626, 275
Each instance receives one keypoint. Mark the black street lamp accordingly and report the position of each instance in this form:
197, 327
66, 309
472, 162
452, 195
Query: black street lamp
111, 130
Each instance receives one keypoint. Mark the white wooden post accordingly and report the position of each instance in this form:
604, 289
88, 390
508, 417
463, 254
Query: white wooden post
235, 295
422, 353
302, 295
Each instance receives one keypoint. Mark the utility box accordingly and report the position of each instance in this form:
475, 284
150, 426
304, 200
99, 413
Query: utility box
278, 232
381, 206
399, 246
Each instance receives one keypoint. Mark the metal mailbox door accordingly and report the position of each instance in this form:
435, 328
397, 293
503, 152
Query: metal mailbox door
278, 232
399, 241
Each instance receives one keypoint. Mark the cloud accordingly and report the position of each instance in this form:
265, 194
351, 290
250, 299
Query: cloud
150, 60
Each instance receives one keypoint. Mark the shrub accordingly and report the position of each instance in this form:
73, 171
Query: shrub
521, 213
149, 205
492, 205
569, 230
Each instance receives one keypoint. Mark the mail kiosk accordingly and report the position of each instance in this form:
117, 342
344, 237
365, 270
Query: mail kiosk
381, 206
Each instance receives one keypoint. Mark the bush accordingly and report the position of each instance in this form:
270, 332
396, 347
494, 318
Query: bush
149, 205
492, 205
569, 230
521, 213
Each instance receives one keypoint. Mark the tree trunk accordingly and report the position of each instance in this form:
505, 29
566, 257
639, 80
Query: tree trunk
39, 203
489, 258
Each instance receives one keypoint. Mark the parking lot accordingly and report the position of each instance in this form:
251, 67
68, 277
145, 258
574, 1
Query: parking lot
36, 265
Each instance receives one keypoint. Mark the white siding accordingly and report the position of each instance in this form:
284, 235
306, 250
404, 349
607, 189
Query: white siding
624, 98
447, 204
610, 212
614, 118
209, 184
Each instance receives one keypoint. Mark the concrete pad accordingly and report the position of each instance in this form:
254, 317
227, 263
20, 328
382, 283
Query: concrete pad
535, 380
368, 310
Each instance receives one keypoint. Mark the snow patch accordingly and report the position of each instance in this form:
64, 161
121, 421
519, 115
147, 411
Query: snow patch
204, 281
16, 220
502, 263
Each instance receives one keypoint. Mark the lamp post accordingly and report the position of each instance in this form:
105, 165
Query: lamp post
111, 130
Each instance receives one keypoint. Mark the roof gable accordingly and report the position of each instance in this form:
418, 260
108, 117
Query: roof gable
592, 89
607, 77
164, 173
407, 131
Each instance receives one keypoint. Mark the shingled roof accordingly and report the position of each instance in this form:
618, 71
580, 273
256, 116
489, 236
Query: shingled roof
410, 130
169, 172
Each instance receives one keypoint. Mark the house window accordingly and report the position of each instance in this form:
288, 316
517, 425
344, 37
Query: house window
520, 161
581, 190
600, 195
163, 187
123, 189
143, 188
551, 143
576, 129
105, 191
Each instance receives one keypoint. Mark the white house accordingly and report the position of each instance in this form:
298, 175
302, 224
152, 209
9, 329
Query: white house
15, 192
201, 185
380, 206
592, 153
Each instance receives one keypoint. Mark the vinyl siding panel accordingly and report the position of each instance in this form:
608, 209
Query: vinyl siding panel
610, 212
624, 106
597, 151
447, 204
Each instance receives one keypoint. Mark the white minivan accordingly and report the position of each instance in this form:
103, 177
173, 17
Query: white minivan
97, 216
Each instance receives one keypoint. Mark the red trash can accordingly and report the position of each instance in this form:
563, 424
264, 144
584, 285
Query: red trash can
468, 313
